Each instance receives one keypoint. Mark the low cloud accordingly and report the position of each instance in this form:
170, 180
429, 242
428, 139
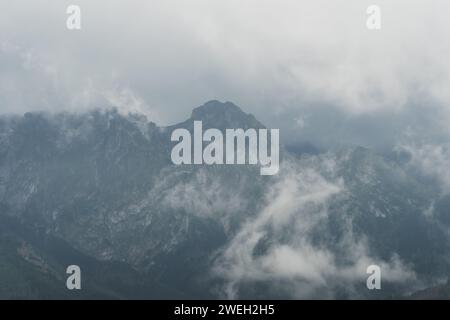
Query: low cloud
293, 59
277, 245
432, 161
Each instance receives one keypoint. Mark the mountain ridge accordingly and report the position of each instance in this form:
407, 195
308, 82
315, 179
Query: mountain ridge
103, 183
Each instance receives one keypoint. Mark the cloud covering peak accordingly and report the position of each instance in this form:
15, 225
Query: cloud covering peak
282, 61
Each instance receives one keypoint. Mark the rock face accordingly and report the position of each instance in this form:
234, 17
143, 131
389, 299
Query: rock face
99, 190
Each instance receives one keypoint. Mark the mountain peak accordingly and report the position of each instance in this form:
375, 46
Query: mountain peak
224, 115
215, 106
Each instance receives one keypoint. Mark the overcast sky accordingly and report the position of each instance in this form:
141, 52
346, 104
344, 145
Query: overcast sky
311, 68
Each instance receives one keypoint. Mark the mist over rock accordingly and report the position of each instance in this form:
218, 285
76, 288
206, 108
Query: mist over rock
102, 184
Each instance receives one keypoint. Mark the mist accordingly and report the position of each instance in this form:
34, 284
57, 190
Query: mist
312, 69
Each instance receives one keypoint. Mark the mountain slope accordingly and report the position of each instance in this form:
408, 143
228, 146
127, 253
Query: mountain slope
99, 189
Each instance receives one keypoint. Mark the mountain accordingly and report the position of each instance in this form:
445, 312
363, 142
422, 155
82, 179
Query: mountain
215, 114
441, 292
99, 190
33, 267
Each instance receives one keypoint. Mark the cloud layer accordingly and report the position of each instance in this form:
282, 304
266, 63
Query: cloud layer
277, 246
282, 61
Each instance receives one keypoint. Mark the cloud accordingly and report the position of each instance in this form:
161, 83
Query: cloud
32, 82
432, 161
293, 59
205, 195
223, 195
277, 245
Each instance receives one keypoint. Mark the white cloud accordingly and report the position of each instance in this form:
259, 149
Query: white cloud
432, 160
267, 56
295, 208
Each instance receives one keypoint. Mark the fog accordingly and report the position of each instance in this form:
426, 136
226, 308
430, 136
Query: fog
310, 68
